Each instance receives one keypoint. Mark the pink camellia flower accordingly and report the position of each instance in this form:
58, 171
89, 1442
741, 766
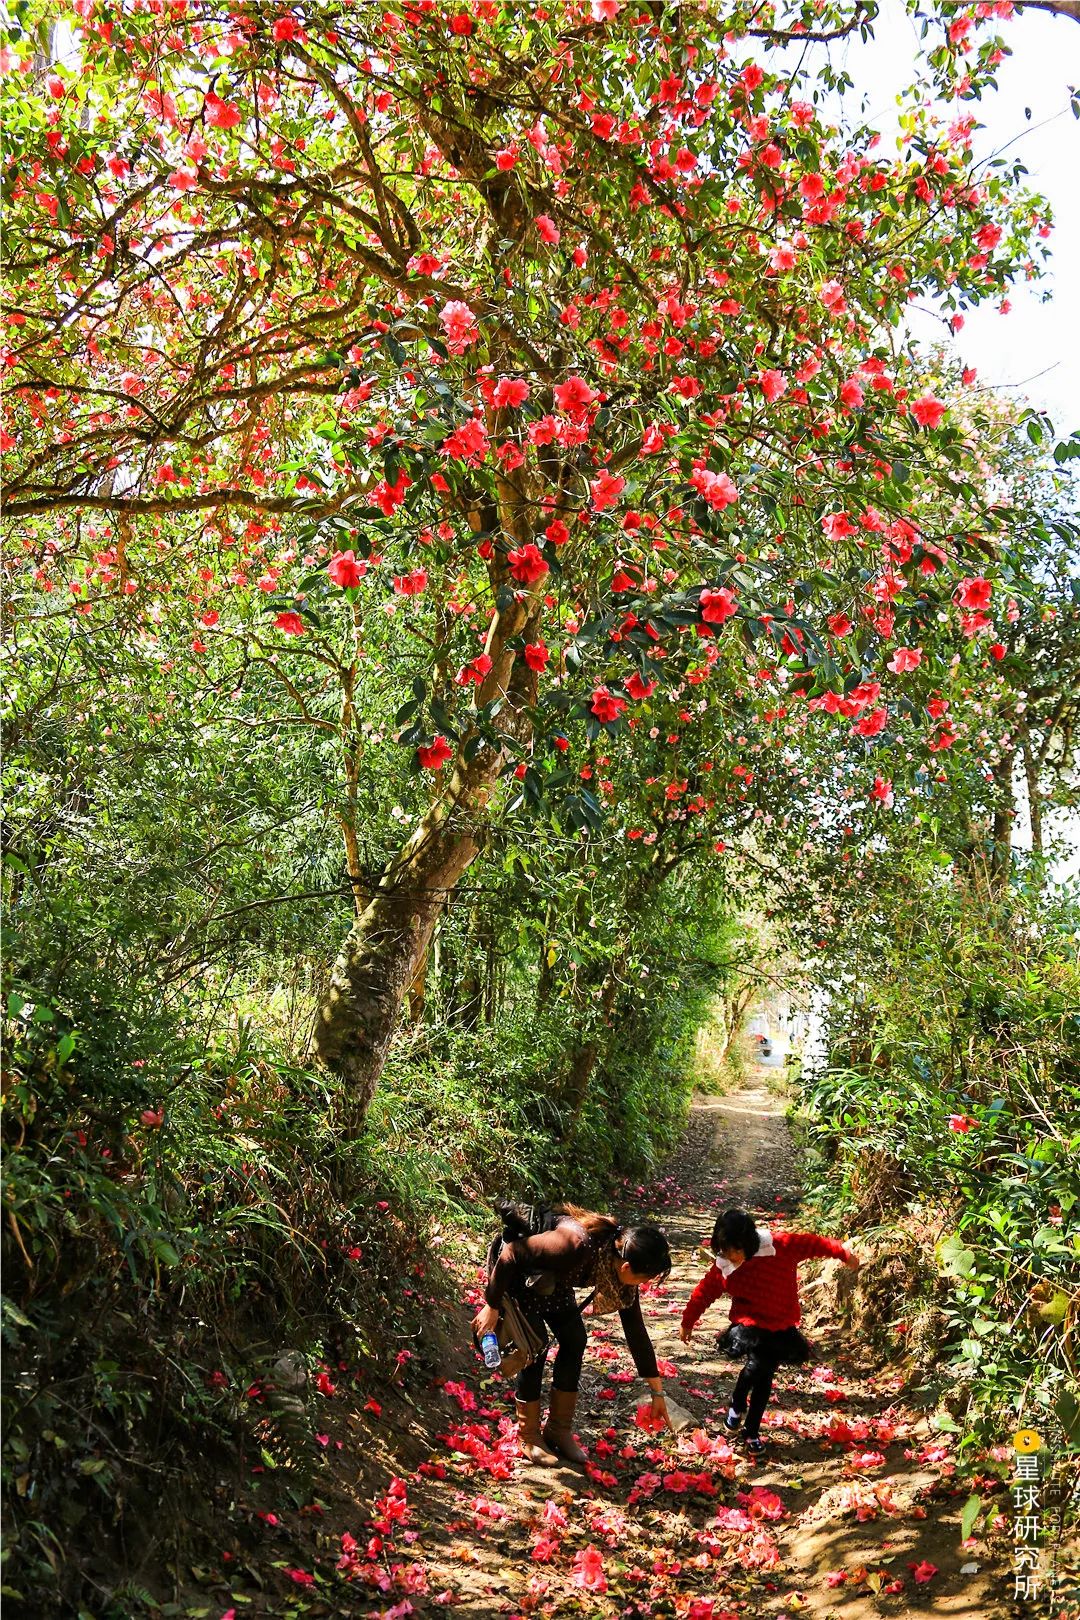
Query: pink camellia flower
433, 756
344, 569
882, 791
589, 1570
772, 385
832, 296
905, 659
505, 158
300, 1577
290, 624
510, 391
974, 594
459, 323
152, 1118
837, 525
527, 565
605, 705
547, 230
928, 411
716, 488
606, 490
851, 394
718, 606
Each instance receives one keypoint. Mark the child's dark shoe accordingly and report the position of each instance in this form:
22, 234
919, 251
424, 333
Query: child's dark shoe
754, 1444
733, 1420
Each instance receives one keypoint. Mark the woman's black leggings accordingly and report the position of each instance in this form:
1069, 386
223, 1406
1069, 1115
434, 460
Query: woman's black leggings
568, 1329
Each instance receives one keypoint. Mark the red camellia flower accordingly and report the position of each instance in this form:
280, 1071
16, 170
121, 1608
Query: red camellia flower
290, 624
557, 532
640, 688
152, 1118
345, 571
220, 114
974, 594
537, 655
905, 659
547, 230
839, 624
928, 411
997, 650
434, 755
411, 584
527, 565
882, 790
962, 1123
574, 397
872, 724
718, 606
605, 705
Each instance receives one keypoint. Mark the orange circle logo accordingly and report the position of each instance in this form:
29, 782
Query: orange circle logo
1026, 1441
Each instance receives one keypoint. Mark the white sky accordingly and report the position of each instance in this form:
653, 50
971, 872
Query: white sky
1034, 350
1037, 345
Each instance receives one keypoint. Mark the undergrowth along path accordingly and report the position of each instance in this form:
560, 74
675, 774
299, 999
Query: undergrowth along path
852, 1513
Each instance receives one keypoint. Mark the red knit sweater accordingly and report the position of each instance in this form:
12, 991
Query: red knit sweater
765, 1289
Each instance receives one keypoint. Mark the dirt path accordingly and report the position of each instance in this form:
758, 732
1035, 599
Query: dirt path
852, 1513
852, 1506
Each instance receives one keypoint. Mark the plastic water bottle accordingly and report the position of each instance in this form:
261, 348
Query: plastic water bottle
489, 1344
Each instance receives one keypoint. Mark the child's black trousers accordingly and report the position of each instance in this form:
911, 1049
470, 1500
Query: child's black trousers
764, 1351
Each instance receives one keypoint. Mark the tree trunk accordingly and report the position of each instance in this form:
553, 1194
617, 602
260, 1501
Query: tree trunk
359, 1015
380, 958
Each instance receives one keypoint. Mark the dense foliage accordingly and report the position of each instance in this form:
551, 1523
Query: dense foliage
470, 495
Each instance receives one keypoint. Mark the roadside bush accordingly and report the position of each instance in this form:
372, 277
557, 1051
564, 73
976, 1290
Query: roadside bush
950, 1109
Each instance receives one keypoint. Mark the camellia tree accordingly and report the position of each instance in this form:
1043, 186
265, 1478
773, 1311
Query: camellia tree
566, 339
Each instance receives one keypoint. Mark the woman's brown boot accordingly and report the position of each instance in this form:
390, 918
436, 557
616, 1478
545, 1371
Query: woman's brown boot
559, 1428
533, 1448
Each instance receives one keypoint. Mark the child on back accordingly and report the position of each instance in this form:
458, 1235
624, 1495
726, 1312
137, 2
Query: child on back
759, 1269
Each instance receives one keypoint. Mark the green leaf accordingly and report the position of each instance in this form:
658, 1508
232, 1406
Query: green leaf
968, 1514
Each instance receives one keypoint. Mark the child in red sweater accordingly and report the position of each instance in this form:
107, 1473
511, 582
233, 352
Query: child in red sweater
760, 1270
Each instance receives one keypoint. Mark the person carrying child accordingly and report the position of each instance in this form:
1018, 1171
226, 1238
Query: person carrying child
759, 1269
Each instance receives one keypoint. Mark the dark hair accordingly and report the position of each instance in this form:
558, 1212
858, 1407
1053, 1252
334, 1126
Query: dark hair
645, 1250
735, 1229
